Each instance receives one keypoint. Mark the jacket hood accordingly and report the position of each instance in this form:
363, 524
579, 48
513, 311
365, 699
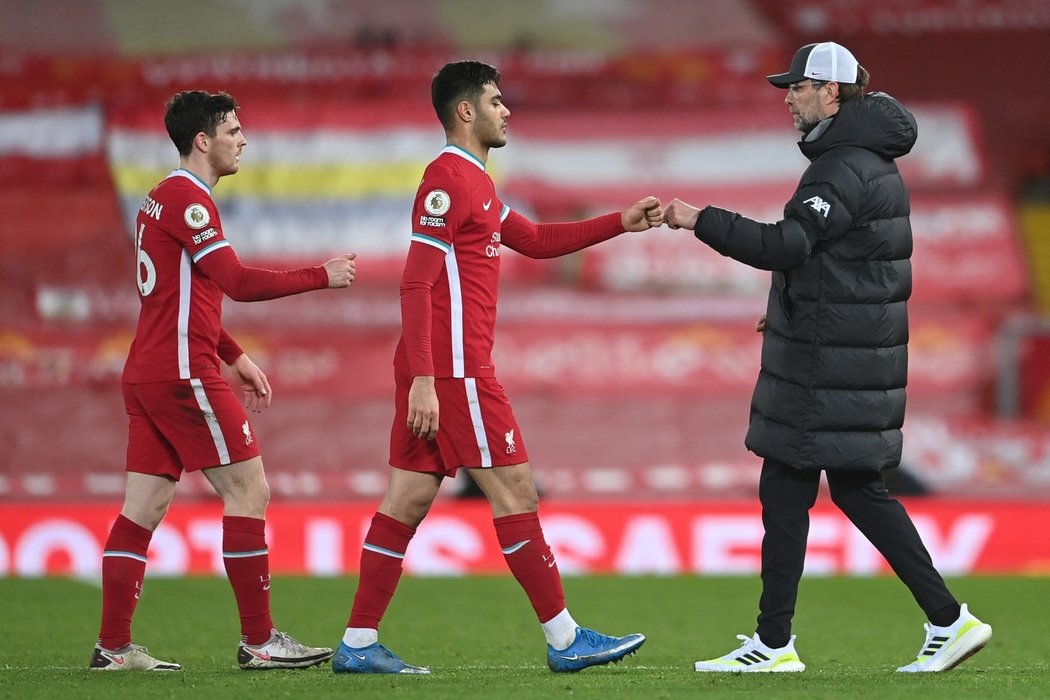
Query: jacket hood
876, 122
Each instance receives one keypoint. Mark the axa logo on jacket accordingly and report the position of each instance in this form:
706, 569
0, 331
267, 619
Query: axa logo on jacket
819, 205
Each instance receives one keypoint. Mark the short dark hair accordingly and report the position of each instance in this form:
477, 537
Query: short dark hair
854, 91
190, 112
458, 81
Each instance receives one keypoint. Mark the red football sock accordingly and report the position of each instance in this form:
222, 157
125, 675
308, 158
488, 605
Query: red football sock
385, 546
532, 562
123, 566
247, 564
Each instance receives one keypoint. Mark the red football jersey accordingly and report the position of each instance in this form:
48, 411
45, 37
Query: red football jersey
458, 214
450, 284
177, 233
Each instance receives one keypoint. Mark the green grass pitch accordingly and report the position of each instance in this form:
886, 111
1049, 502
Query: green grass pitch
481, 640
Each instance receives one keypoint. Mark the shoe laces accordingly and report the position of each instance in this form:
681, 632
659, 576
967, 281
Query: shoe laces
591, 637
931, 632
130, 648
387, 653
746, 642
285, 642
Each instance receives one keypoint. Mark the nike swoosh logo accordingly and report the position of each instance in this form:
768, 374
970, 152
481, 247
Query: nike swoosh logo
574, 657
265, 588
259, 655
360, 657
486, 205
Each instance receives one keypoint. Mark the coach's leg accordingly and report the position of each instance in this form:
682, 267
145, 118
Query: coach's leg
863, 497
245, 495
146, 500
786, 495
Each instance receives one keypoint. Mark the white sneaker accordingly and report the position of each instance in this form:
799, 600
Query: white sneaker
130, 657
947, 647
755, 657
280, 651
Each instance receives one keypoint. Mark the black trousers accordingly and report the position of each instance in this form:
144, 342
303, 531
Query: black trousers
787, 494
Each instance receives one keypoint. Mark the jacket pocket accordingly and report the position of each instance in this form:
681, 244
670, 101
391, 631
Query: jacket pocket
780, 285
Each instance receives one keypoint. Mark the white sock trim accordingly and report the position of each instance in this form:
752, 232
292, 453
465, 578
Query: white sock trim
560, 630
360, 637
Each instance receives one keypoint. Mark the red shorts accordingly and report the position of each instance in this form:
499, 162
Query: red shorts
476, 428
186, 425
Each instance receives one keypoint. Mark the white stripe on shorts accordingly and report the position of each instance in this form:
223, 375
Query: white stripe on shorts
475, 418
213, 423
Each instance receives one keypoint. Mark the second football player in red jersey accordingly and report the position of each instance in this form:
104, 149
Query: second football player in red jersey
451, 411
182, 415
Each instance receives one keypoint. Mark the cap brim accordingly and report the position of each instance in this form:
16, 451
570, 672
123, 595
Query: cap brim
783, 80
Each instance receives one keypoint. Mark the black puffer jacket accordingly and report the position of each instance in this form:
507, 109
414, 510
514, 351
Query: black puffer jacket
830, 394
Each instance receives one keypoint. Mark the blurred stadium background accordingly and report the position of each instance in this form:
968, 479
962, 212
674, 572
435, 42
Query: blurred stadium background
630, 364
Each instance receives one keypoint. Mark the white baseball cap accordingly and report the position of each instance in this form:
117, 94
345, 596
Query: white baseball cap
826, 62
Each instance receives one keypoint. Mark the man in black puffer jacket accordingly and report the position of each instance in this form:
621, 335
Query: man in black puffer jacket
830, 394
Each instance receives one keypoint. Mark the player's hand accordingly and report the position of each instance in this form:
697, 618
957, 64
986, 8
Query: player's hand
341, 271
760, 324
643, 215
678, 214
423, 408
251, 380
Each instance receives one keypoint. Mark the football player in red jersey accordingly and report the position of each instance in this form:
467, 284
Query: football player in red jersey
451, 411
182, 414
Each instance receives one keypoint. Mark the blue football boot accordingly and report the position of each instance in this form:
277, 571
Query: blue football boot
591, 648
374, 658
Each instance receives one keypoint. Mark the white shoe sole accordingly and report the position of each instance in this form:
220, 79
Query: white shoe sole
971, 643
968, 645
791, 667
261, 665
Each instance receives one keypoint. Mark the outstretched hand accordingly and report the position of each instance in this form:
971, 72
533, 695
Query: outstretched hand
643, 215
341, 271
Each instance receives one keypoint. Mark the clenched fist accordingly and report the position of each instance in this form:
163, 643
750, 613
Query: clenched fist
341, 271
